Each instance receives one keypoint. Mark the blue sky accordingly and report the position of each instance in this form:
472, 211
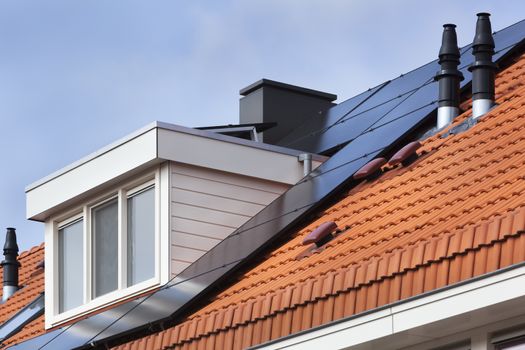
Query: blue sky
77, 75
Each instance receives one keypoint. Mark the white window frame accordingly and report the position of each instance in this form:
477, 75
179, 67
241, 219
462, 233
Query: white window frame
158, 179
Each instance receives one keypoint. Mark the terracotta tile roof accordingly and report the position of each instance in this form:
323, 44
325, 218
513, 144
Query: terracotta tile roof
456, 213
31, 278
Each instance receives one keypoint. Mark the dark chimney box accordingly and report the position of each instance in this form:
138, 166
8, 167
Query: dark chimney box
267, 101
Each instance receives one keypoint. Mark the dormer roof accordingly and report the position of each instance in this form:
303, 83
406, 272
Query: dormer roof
153, 144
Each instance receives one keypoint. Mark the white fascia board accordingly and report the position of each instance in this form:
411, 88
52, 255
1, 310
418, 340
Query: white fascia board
101, 168
238, 141
221, 154
485, 300
151, 145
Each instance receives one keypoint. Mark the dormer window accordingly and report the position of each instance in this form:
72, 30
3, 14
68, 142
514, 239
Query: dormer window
104, 249
71, 264
131, 216
107, 250
140, 227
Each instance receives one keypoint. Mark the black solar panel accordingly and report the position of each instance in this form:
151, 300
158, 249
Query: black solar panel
310, 134
347, 122
371, 128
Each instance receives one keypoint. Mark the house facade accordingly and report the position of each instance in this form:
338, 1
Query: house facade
392, 220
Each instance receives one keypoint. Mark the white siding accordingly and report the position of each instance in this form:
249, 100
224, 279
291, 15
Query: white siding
207, 205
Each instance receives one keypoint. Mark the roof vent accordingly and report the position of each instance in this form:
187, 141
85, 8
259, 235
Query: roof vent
321, 235
406, 155
370, 170
10, 264
448, 77
40, 265
483, 69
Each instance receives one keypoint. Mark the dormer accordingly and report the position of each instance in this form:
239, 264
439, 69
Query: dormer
126, 219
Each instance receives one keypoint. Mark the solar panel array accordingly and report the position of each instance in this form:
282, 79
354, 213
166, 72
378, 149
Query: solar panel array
386, 102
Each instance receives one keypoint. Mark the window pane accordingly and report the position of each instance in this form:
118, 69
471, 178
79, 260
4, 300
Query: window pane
516, 344
141, 237
105, 248
71, 266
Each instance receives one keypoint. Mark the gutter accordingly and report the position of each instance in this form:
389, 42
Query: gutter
391, 323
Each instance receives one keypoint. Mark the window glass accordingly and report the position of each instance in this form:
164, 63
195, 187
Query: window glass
105, 248
516, 344
141, 236
71, 266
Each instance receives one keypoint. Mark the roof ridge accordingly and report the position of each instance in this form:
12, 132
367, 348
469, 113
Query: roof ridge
30, 251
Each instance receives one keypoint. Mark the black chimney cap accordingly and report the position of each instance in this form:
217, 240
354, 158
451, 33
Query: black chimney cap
483, 40
10, 245
449, 43
10, 264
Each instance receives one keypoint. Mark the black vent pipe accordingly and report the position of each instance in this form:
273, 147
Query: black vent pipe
10, 264
448, 77
483, 69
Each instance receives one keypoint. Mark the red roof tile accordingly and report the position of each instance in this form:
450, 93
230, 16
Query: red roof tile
31, 279
455, 213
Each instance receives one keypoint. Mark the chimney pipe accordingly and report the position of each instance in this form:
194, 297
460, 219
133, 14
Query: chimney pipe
483, 69
448, 77
10, 264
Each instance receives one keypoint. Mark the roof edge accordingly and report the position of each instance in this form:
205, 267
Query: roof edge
289, 87
171, 127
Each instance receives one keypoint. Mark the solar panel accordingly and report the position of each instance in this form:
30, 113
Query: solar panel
309, 135
21, 318
378, 127
348, 122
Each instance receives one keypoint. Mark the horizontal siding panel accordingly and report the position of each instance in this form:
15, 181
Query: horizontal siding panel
178, 266
185, 254
229, 178
222, 189
193, 241
200, 228
213, 202
207, 205
207, 215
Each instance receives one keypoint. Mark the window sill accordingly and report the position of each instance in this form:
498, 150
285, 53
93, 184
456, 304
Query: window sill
103, 301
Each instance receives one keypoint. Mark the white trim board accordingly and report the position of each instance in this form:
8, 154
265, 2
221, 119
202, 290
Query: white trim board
152, 145
490, 299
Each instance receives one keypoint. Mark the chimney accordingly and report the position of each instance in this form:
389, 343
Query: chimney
10, 265
289, 106
448, 77
483, 69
